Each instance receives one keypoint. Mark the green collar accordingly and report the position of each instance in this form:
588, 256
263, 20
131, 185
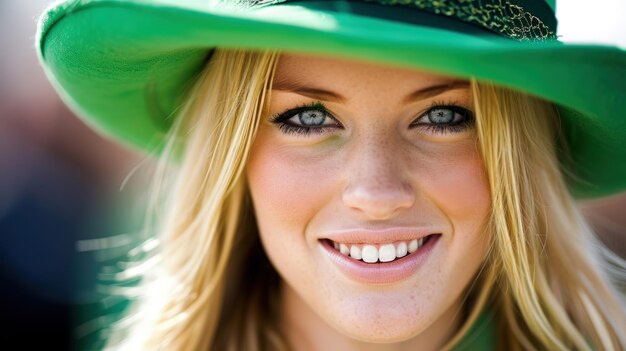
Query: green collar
481, 336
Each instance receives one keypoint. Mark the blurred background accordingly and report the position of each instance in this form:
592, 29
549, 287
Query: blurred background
72, 201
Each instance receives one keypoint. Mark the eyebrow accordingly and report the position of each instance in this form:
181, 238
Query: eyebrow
326, 95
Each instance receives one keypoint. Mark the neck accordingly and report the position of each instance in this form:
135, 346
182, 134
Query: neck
306, 331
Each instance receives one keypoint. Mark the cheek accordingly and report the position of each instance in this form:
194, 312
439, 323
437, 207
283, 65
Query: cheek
454, 179
287, 193
461, 191
284, 191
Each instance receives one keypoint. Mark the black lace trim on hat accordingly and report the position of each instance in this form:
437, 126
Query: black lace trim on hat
511, 19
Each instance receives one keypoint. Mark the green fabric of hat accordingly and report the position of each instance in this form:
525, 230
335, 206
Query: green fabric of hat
124, 65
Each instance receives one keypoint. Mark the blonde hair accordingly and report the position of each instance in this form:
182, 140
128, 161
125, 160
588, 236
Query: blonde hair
541, 275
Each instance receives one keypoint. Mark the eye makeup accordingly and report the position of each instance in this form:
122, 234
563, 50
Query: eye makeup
293, 121
458, 118
284, 123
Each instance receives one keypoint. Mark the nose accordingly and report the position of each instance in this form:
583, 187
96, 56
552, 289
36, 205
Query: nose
377, 185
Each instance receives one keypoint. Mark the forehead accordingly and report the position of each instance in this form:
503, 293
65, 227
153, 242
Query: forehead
344, 80
315, 68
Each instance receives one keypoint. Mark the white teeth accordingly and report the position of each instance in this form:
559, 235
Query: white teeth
383, 253
387, 253
370, 254
344, 249
355, 252
401, 250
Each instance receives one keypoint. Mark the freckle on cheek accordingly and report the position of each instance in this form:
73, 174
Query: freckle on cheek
279, 189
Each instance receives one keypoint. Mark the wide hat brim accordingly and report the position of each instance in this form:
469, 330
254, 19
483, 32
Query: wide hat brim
123, 67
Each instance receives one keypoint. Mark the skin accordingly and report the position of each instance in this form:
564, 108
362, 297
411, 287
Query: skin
372, 172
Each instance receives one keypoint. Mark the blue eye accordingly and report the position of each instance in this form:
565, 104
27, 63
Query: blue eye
314, 118
441, 115
306, 119
441, 119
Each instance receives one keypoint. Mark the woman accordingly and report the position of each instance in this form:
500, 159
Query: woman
322, 201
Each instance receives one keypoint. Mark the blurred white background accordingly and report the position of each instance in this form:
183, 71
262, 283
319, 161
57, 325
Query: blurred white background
597, 21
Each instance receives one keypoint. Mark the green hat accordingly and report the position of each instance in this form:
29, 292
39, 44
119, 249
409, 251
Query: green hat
123, 65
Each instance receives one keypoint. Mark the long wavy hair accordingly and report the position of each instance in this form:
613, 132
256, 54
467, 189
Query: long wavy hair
209, 285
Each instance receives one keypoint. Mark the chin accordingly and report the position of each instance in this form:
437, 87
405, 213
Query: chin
381, 325
382, 331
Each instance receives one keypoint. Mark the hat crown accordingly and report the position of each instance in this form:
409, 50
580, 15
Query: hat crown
521, 20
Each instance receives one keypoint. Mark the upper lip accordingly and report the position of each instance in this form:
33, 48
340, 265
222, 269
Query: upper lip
378, 236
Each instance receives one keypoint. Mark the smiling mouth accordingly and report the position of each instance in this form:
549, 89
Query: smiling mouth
388, 252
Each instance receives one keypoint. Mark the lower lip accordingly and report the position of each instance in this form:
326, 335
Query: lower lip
380, 272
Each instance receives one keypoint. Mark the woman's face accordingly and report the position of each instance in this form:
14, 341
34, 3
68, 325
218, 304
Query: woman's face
382, 160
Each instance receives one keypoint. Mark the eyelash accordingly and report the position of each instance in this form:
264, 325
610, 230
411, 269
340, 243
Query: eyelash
281, 119
287, 128
466, 123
